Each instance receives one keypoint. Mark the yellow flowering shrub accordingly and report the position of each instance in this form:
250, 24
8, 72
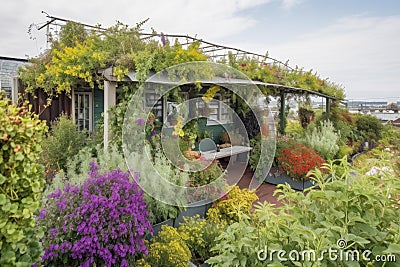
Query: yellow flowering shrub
70, 64
167, 249
199, 235
178, 127
210, 93
229, 209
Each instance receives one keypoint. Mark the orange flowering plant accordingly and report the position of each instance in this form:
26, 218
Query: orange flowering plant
298, 159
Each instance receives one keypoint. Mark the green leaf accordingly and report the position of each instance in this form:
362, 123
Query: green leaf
7, 256
6, 207
393, 249
3, 179
3, 222
29, 132
3, 199
36, 187
19, 156
358, 239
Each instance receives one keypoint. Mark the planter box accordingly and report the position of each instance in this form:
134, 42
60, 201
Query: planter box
193, 209
283, 178
157, 227
191, 264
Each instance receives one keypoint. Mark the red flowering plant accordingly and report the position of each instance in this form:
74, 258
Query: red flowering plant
298, 159
100, 223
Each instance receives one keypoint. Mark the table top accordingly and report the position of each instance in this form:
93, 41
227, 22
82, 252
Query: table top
225, 152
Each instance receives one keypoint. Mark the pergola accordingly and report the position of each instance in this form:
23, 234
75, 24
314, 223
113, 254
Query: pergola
214, 52
110, 85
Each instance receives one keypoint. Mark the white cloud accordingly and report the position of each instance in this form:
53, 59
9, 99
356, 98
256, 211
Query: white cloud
359, 52
207, 19
289, 4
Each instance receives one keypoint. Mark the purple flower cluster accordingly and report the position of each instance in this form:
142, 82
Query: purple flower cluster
102, 223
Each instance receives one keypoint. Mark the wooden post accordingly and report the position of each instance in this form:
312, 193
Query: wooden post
282, 117
14, 90
328, 108
109, 101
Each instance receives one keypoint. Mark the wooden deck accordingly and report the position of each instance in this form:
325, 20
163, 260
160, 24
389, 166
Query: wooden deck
264, 192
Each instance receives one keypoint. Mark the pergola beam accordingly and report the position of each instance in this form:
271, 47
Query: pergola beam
328, 108
109, 101
282, 115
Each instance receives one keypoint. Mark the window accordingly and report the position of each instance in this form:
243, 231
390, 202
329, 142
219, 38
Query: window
217, 111
154, 102
83, 110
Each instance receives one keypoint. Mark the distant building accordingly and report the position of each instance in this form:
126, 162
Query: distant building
8, 74
387, 117
396, 122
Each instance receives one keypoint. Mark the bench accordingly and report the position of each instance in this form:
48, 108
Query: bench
225, 152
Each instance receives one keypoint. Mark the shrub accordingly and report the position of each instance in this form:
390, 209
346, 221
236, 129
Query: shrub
231, 207
167, 249
343, 151
363, 211
21, 183
64, 142
298, 160
294, 129
322, 139
255, 159
206, 176
390, 135
78, 166
102, 222
200, 236
370, 127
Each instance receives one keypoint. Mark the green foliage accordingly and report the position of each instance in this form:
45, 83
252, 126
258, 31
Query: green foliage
370, 127
72, 33
344, 150
77, 167
207, 176
63, 143
21, 184
280, 74
361, 209
237, 246
390, 135
294, 129
256, 162
322, 139
158, 211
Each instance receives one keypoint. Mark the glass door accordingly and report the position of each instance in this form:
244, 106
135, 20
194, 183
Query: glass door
83, 110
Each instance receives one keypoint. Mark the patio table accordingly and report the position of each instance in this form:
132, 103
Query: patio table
225, 152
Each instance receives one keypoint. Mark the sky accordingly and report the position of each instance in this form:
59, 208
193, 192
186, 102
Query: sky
355, 43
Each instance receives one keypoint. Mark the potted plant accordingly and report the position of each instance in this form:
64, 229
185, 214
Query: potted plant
295, 161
